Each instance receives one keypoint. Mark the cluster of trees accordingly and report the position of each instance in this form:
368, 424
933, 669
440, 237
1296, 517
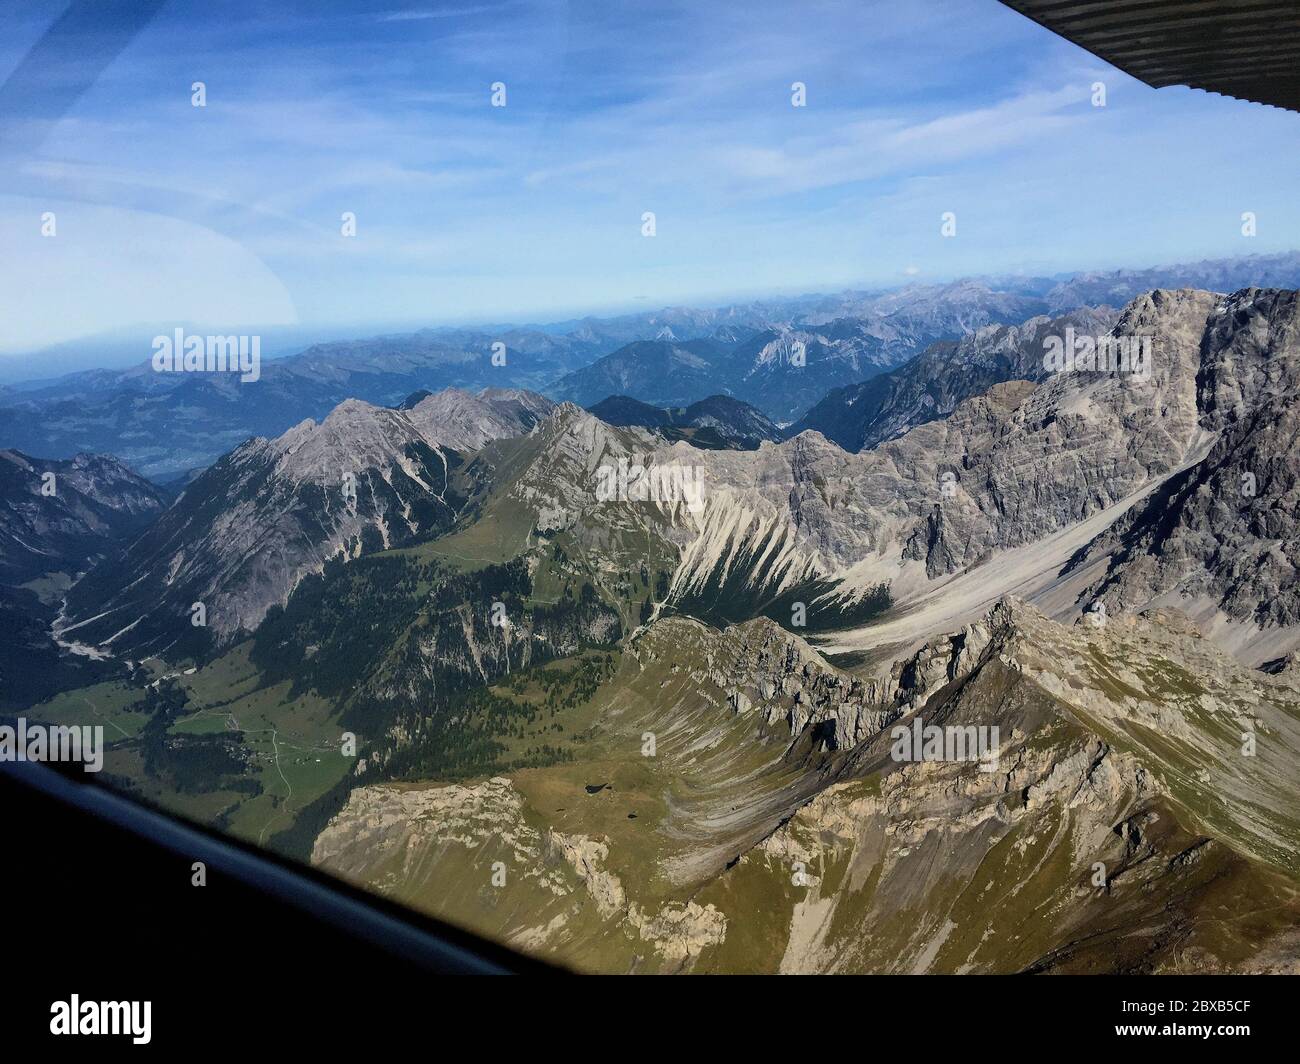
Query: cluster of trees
470, 736
189, 764
463, 739
566, 688
338, 624
408, 647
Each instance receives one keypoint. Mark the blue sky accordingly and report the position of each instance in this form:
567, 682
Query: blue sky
229, 215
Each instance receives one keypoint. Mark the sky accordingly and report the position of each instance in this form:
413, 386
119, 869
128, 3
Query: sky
230, 214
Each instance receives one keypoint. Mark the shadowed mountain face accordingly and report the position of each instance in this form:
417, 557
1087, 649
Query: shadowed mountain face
718, 422
62, 515
623, 410
57, 519
676, 372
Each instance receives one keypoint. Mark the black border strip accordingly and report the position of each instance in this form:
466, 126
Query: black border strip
435, 945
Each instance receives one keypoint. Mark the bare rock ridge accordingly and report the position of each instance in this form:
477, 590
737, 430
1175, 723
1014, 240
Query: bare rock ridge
1008, 490
465, 422
1011, 684
1220, 538
1043, 480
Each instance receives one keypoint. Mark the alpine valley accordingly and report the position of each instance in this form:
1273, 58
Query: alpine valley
608, 656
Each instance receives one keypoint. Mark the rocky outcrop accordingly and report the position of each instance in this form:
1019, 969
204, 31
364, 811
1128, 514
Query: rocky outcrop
1118, 805
1025, 463
244, 533
1220, 538
421, 843
1145, 468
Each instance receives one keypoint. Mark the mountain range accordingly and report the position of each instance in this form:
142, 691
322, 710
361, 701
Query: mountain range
781, 355
630, 684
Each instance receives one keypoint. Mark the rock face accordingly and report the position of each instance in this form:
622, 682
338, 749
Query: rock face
937, 381
245, 531
779, 679
579, 477
1120, 803
1016, 482
1028, 465
1010, 488
473, 850
1221, 536
464, 422
933, 777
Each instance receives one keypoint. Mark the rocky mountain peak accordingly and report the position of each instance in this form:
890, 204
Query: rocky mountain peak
466, 421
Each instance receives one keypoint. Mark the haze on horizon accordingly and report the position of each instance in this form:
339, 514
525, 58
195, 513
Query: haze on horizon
230, 213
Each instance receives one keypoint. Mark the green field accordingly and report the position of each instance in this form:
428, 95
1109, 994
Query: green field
292, 746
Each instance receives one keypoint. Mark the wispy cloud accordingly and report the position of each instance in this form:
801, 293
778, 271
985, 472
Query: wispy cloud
614, 109
421, 14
